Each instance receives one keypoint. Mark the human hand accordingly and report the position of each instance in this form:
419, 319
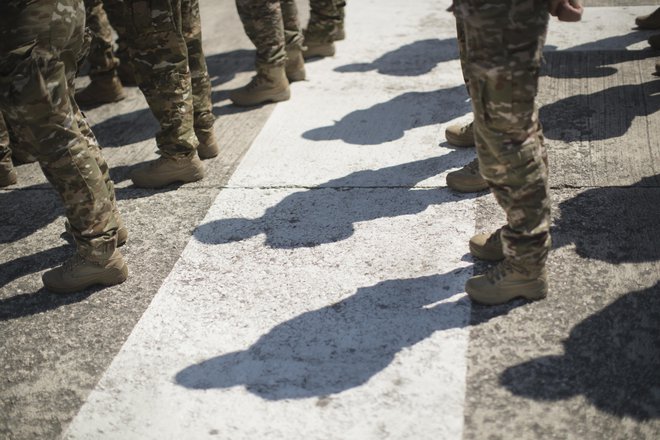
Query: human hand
566, 10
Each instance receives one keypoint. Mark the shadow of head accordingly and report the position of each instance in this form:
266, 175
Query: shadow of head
340, 346
388, 121
613, 224
327, 213
581, 117
611, 358
413, 59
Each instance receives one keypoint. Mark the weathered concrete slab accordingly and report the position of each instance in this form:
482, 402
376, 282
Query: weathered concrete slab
54, 349
581, 364
601, 109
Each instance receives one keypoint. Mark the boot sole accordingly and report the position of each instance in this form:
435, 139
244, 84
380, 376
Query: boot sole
278, 97
535, 293
198, 175
456, 142
467, 188
117, 276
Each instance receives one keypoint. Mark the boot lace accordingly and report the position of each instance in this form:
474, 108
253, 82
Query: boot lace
495, 239
473, 167
500, 271
73, 262
256, 81
466, 128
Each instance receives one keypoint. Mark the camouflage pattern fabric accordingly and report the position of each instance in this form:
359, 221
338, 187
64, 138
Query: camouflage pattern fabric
201, 82
5, 151
503, 47
325, 17
272, 26
101, 57
159, 57
40, 46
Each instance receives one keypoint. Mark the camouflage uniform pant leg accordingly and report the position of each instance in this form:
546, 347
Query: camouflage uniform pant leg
325, 17
293, 35
101, 57
160, 62
201, 82
115, 11
462, 49
5, 151
263, 24
504, 41
38, 54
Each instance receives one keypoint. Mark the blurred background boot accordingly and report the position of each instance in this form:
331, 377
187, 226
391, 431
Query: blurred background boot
268, 85
104, 88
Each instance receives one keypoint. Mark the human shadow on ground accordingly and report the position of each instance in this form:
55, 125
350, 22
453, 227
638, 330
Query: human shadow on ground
223, 67
612, 358
28, 304
601, 115
388, 121
126, 128
327, 213
340, 346
414, 59
612, 224
594, 59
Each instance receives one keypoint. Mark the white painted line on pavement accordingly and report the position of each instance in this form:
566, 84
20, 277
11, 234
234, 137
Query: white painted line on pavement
335, 312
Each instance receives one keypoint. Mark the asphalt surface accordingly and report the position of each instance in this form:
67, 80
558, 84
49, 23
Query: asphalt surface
311, 286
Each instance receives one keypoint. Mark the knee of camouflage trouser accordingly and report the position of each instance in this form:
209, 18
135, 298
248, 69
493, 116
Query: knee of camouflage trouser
512, 164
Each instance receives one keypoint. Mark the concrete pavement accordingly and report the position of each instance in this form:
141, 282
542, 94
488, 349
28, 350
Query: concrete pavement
312, 285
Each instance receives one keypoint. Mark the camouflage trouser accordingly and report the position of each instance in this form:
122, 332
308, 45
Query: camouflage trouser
201, 82
272, 26
5, 151
39, 53
325, 18
503, 47
101, 57
165, 41
115, 12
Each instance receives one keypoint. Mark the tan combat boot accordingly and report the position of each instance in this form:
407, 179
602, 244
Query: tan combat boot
317, 49
268, 85
467, 179
164, 171
487, 246
208, 143
7, 172
460, 135
78, 273
295, 65
102, 90
651, 21
507, 281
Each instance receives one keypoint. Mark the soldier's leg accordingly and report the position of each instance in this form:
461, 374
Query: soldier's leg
293, 38
263, 24
160, 62
35, 91
115, 10
468, 178
105, 85
201, 82
323, 25
503, 61
7, 171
